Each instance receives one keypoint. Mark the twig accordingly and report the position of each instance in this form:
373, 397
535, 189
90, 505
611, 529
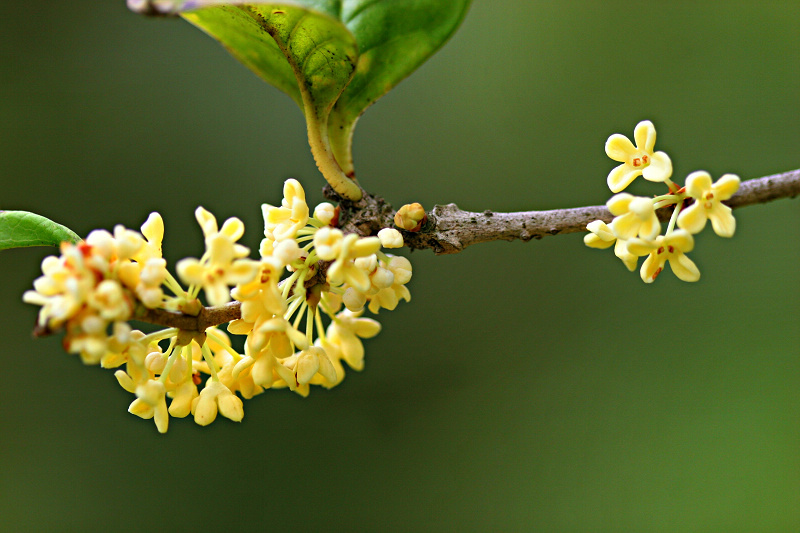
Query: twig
450, 230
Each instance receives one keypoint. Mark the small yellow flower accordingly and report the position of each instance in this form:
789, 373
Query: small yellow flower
672, 248
708, 204
344, 270
639, 160
151, 403
603, 236
635, 216
222, 264
388, 298
216, 397
284, 222
346, 332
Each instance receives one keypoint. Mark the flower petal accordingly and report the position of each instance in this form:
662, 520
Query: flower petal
684, 268
650, 228
626, 226
622, 176
619, 203
693, 218
680, 239
726, 186
660, 168
645, 136
619, 148
651, 268
722, 220
697, 183
640, 247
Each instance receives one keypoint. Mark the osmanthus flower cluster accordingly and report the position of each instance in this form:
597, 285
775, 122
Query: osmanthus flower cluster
635, 230
300, 305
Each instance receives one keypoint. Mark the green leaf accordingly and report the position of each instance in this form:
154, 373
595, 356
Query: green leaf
334, 58
19, 229
394, 38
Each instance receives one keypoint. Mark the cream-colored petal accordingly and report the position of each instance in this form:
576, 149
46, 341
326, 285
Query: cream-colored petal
693, 218
619, 148
262, 371
660, 168
307, 366
722, 220
681, 239
592, 240
640, 247
626, 226
233, 228
287, 375
242, 271
601, 230
206, 220
627, 258
327, 369
161, 416
651, 268
190, 270
650, 228
357, 278
217, 293
220, 249
230, 406
619, 203
698, 183
684, 268
153, 229
366, 328
141, 409
365, 246
726, 186
645, 136
622, 176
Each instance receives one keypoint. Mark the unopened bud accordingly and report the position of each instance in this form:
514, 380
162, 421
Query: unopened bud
325, 212
410, 217
390, 238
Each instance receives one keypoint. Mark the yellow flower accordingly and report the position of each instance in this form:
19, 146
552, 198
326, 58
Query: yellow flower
639, 160
216, 397
222, 265
635, 215
343, 269
708, 204
153, 231
346, 332
151, 403
672, 248
284, 222
603, 236
388, 298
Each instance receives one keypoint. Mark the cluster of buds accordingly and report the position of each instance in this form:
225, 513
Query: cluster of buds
635, 230
300, 307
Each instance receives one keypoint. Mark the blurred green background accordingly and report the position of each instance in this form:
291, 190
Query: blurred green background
526, 387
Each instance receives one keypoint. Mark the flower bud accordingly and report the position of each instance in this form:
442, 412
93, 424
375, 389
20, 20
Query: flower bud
410, 217
325, 212
390, 238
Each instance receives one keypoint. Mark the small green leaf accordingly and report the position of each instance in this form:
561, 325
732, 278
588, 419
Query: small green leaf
19, 229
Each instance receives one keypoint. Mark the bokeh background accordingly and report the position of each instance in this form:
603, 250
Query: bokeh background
528, 386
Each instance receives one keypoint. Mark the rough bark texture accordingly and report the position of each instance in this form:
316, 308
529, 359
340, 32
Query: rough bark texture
450, 229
